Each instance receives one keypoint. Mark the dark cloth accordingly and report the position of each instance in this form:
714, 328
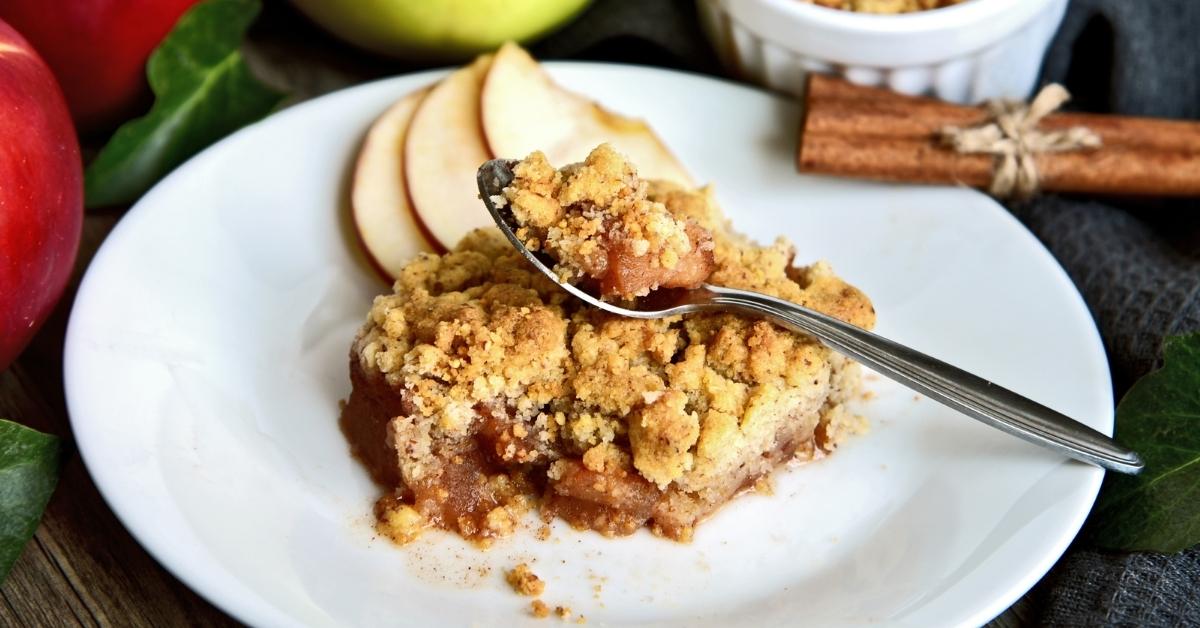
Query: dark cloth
1137, 263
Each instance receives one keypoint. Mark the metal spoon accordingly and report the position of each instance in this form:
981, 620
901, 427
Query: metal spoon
950, 385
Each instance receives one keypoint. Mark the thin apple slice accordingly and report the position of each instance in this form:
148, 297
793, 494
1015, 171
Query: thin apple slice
383, 216
443, 151
525, 110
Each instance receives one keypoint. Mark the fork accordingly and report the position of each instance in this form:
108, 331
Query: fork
970, 394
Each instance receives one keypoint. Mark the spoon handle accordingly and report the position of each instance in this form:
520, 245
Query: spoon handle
970, 394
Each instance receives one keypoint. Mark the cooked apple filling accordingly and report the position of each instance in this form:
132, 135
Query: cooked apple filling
596, 219
482, 389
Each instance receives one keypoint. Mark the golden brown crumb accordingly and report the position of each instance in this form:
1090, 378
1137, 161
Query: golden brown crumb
581, 620
563, 612
543, 532
401, 523
539, 609
500, 521
605, 458
524, 581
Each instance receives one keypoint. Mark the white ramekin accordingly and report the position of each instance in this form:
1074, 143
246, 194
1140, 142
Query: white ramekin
967, 53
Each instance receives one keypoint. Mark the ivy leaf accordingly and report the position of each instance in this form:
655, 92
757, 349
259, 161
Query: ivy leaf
203, 92
28, 473
1158, 510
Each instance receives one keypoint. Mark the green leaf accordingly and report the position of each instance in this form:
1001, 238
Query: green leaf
203, 92
1158, 510
28, 473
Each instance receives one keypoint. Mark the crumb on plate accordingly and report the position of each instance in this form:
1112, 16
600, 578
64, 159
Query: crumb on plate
524, 581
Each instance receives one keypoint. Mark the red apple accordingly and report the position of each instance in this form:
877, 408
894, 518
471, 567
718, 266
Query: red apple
97, 49
41, 193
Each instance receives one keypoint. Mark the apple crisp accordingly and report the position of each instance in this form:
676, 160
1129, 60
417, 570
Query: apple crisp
482, 390
884, 6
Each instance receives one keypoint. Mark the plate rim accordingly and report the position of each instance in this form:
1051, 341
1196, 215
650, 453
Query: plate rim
252, 608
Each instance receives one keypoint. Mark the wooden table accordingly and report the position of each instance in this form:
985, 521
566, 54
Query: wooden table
82, 567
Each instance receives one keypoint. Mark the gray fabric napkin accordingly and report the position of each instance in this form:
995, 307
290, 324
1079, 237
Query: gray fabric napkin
1137, 263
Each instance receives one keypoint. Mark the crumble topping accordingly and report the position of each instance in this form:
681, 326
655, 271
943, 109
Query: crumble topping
481, 388
884, 6
539, 609
596, 220
399, 522
524, 581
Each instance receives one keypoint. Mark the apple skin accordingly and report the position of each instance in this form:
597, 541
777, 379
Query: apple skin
443, 148
97, 49
389, 230
438, 30
41, 193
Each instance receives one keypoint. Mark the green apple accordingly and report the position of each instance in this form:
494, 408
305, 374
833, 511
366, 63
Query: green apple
445, 30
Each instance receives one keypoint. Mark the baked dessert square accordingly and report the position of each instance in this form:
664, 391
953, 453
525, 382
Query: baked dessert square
482, 390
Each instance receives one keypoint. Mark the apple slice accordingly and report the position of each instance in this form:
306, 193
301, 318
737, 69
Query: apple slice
443, 151
383, 216
525, 110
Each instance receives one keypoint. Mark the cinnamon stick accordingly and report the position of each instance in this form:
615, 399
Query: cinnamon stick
872, 133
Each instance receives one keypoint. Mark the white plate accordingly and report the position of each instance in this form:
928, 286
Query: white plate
208, 349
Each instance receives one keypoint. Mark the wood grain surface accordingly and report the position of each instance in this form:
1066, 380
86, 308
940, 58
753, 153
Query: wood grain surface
82, 567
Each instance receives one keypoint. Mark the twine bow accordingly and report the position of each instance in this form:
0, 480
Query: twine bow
1011, 134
